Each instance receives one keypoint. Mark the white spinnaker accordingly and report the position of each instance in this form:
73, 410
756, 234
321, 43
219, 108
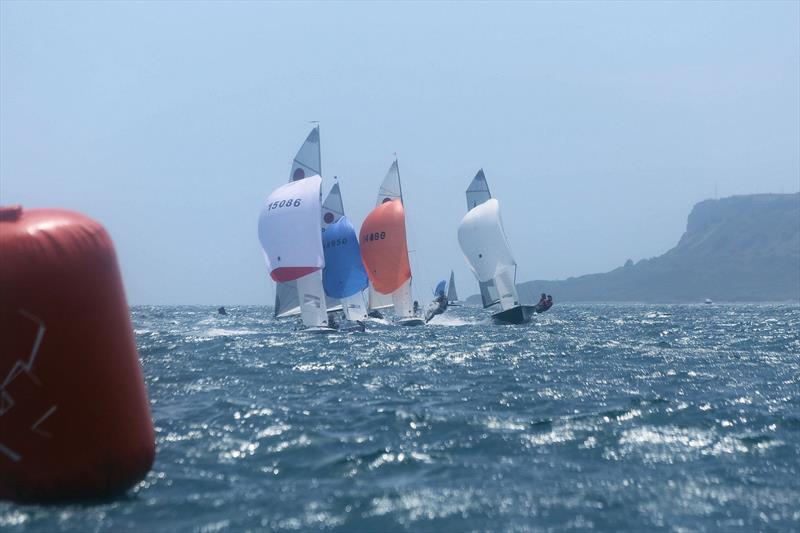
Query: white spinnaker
289, 231
484, 244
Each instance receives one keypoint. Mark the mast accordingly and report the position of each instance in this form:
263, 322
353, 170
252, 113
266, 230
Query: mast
319, 150
399, 181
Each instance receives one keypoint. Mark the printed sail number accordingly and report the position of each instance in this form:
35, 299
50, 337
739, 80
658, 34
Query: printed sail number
383, 247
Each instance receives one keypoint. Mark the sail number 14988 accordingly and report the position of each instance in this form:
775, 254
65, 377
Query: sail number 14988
376, 236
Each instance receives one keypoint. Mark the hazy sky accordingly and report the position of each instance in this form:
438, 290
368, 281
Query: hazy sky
598, 125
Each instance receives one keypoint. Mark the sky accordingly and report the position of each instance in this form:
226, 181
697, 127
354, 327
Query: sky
598, 125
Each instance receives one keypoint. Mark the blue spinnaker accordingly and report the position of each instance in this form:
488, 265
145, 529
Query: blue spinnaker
440, 288
344, 273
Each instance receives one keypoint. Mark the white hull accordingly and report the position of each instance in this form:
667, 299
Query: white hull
319, 329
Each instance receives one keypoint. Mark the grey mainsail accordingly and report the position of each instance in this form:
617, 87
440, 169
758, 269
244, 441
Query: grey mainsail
478, 190
489, 293
308, 161
452, 295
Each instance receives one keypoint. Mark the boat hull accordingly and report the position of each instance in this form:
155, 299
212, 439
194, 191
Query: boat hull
414, 321
520, 314
319, 329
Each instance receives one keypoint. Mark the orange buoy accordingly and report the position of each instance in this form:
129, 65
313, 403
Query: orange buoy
74, 416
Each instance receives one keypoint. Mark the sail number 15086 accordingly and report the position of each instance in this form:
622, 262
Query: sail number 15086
291, 202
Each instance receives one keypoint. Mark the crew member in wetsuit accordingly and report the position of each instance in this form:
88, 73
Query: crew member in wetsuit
549, 302
416, 307
542, 305
332, 320
437, 307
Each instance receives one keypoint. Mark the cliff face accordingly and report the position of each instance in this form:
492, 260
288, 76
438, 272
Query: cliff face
742, 248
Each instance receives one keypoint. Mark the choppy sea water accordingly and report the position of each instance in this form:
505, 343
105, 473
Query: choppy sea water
594, 417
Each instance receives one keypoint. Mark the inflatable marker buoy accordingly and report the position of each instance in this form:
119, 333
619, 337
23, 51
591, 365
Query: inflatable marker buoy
74, 416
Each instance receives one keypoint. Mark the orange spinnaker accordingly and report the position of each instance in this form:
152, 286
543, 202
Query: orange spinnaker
383, 247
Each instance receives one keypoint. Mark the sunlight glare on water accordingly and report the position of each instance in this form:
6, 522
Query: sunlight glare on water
599, 417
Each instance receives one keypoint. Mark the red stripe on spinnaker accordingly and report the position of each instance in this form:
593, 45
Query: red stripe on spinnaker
283, 274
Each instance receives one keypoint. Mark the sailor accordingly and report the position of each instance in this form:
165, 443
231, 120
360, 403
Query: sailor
332, 320
549, 301
416, 307
437, 307
222, 311
542, 305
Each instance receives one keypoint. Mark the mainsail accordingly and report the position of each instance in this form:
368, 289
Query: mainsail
484, 244
478, 191
452, 295
344, 277
308, 161
289, 231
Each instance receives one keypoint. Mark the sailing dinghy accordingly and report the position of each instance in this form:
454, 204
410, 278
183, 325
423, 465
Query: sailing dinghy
485, 247
343, 278
384, 250
291, 237
439, 303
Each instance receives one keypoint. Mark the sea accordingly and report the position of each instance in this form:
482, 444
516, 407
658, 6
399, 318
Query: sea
591, 418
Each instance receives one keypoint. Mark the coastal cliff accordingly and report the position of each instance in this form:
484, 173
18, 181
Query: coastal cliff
741, 248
